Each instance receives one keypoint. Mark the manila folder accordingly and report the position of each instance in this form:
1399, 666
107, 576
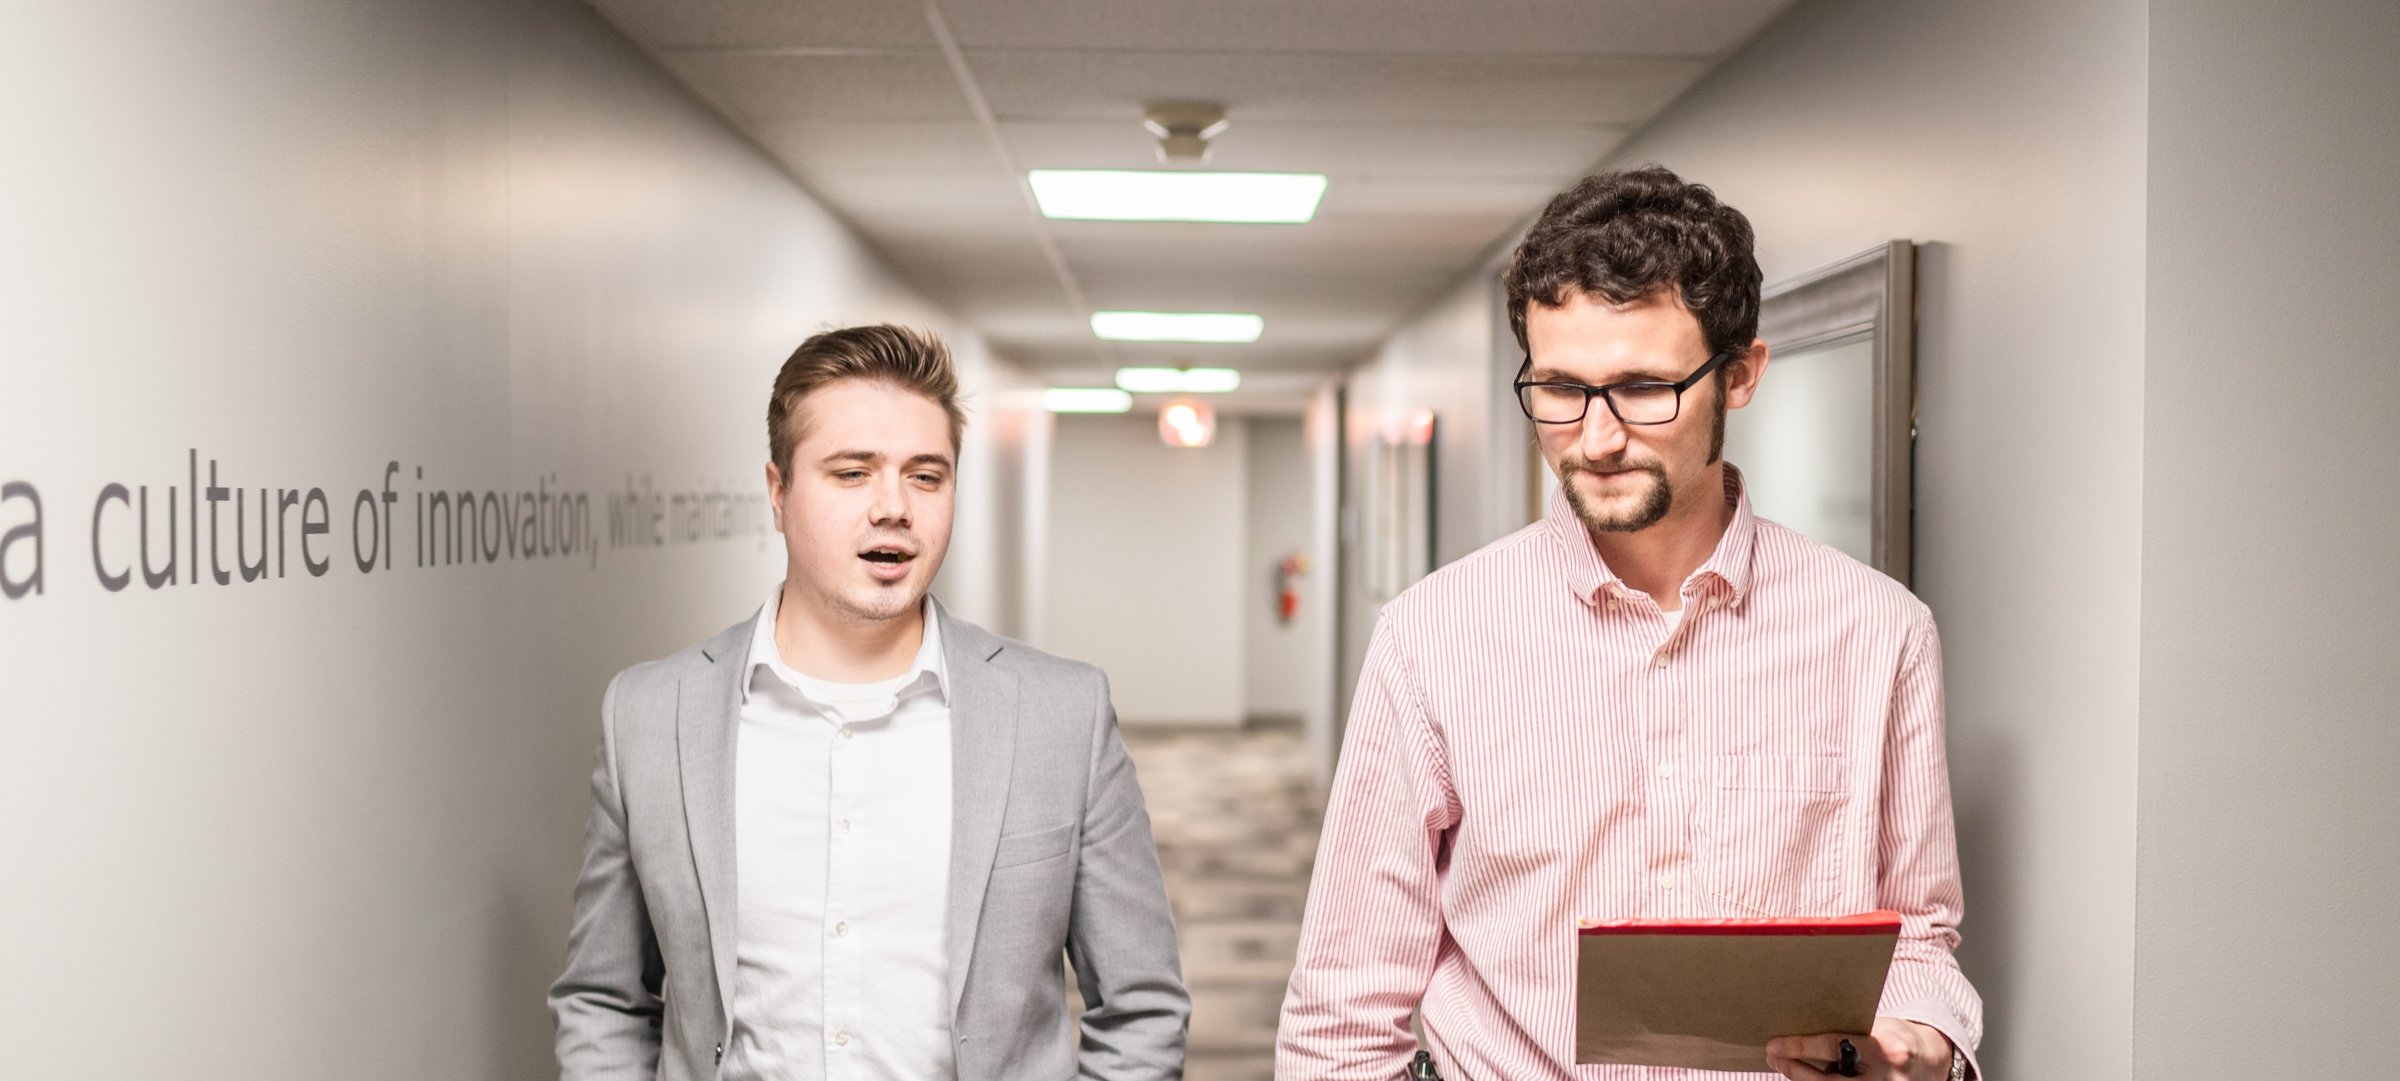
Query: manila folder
1709, 994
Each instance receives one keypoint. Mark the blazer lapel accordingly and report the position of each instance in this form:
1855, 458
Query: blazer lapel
983, 743
708, 705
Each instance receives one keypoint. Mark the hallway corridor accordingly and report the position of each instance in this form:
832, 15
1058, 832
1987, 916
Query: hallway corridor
1236, 816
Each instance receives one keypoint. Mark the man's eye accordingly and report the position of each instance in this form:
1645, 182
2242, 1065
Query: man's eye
851, 474
929, 478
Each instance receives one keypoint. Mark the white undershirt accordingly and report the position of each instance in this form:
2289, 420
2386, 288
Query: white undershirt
842, 837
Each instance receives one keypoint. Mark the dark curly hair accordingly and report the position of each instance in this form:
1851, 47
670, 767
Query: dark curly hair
1627, 235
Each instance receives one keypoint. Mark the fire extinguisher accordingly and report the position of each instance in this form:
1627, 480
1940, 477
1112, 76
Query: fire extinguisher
1287, 586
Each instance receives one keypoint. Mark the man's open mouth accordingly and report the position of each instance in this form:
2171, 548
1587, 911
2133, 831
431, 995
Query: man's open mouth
892, 556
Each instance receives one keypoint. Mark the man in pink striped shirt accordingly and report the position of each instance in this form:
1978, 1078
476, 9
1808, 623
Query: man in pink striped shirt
1649, 705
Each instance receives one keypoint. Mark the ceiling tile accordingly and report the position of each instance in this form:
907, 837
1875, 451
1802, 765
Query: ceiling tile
952, 198
1338, 150
1514, 27
678, 24
1443, 125
1043, 351
765, 89
1312, 318
1538, 91
882, 147
1012, 279
1268, 290
1500, 202
1274, 380
1281, 386
1318, 247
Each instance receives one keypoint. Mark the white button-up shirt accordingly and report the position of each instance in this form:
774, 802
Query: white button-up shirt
842, 836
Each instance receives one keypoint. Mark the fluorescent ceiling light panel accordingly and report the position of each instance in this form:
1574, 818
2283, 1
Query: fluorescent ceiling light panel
1211, 380
1086, 400
1177, 195
1230, 327
1178, 380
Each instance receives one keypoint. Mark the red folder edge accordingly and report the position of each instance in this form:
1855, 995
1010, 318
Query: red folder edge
1879, 922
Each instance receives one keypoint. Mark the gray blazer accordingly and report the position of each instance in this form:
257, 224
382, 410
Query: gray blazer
1050, 849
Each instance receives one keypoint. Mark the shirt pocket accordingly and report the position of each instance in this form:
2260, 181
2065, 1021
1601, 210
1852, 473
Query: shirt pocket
1774, 838
1034, 846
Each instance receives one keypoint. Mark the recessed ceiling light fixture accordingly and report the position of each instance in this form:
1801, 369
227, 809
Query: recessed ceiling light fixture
1178, 380
1086, 400
1173, 195
1226, 327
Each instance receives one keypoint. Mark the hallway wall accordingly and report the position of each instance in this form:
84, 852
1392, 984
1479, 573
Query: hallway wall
2271, 483
1280, 658
308, 826
1445, 361
1146, 563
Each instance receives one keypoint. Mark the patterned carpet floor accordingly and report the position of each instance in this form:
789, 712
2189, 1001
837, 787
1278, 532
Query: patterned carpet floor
1236, 813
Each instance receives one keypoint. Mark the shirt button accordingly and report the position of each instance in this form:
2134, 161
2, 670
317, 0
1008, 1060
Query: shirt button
1716, 602
1665, 771
842, 1037
845, 825
845, 731
1661, 660
841, 928
1666, 882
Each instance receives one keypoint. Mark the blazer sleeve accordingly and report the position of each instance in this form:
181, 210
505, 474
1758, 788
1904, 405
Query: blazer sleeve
607, 1001
1121, 931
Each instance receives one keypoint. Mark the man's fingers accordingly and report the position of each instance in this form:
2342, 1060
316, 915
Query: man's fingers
1798, 1069
1912, 1047
1824, 1047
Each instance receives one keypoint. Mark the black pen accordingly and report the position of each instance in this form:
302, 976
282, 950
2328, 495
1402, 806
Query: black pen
1847, 1065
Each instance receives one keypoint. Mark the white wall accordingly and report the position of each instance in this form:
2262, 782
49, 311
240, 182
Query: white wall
328, 826
1146, 565
2271, 485
1444, 360
1320, 614
994, 532
1280, 494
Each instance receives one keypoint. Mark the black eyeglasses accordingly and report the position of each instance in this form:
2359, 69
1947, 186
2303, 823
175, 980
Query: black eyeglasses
1644, 402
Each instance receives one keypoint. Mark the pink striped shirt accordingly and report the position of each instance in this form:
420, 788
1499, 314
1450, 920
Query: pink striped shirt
1531, 745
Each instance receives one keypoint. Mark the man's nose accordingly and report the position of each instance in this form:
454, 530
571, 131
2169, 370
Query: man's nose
1602, 434
891, 505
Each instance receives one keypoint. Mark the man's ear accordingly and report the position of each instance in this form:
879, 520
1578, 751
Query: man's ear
775, 494
1743, 374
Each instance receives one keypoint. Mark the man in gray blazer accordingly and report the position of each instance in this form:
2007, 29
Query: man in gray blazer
850, 837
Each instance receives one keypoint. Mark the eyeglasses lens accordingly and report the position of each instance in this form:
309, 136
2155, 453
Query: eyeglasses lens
1645, 403
1639, 403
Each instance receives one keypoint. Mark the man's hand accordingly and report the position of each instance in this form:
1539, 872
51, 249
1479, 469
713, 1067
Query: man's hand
1899, 1050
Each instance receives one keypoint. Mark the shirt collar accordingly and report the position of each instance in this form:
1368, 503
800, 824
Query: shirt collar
1727, 568
929, 668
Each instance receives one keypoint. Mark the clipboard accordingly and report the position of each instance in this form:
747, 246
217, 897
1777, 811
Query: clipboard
1709, 994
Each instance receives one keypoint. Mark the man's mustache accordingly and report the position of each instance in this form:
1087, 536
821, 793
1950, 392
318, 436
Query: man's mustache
1615, 463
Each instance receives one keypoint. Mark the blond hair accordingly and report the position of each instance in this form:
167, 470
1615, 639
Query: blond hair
898, 356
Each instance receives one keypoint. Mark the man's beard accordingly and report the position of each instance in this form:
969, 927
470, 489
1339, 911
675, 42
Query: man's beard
1655, 502
1653, 506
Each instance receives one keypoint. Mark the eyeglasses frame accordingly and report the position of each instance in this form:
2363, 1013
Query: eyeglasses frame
1606, 392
